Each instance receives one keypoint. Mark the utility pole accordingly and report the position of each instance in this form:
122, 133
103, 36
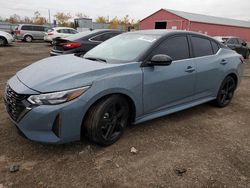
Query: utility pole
49, 17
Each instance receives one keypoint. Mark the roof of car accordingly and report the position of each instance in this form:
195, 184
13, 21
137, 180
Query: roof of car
163, 32
226, 37
62, 28
33, 25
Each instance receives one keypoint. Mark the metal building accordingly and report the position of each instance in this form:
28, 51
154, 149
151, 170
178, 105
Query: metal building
210, 25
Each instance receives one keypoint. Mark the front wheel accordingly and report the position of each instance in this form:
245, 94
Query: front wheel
106, 120
28, 38
226, 92
3, 41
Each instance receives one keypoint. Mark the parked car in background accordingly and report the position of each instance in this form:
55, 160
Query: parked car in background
28, 32
82, 42
59, 32
5, 38
235, 43
133, 77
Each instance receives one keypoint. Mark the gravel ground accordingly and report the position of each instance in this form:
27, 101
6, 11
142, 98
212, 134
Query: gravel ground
200, 147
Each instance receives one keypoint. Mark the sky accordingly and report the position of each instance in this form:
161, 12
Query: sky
136, 9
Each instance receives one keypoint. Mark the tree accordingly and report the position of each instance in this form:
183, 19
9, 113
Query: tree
125, 21
14, 19
28, 20
81, 15
38, 19
114, 23
102, 19
135, 24
63, 18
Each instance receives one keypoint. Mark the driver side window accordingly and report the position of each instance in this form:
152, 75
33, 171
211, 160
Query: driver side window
176, 47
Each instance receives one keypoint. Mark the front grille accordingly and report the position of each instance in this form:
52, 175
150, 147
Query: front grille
14, 103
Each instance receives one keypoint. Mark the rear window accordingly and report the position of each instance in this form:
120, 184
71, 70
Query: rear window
81, 35
27, 27
38, 28
103, 37
34, 28
201, 46
232, 41
72, 31
215, 47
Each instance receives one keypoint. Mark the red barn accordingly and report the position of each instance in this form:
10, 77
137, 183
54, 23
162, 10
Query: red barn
210, 25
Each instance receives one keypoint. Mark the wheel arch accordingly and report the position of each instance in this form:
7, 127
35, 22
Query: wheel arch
28, 34
3, 37
234, 76
96, 99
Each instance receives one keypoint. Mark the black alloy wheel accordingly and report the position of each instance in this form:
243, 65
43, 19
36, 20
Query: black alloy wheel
226, 92
106, 121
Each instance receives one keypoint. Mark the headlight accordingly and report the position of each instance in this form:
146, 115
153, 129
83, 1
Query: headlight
57, 97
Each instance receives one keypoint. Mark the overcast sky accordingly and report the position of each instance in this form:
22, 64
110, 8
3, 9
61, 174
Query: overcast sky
137, 9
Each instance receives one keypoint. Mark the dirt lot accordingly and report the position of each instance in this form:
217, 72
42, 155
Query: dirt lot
200, 147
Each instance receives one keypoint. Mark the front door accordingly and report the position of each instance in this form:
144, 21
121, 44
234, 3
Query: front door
168, 86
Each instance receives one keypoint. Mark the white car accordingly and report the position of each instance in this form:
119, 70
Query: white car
5, 38
59, 32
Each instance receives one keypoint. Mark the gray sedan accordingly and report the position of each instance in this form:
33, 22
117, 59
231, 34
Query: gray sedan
131, 78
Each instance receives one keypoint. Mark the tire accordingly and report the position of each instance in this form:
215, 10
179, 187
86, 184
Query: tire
106, 120
28, 38
3, 41
226, 92
247, 55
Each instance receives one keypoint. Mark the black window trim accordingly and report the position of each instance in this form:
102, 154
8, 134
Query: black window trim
107, 32
203, 37
151, 50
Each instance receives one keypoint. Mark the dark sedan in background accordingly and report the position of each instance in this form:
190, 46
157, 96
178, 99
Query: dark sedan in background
82, 42
236, 44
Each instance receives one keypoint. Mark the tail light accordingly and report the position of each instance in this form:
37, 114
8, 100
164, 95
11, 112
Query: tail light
18, 32
71, 45
50, 33
242, 59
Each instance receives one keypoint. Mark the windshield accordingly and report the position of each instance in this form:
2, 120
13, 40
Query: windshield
126, 47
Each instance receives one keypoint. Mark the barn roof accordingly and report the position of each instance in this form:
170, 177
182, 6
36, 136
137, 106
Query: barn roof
210, 19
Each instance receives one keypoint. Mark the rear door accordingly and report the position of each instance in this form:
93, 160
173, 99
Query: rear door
168, 86
208, 64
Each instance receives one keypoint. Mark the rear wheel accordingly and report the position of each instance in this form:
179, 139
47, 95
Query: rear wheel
247, 55
3, 41
226, 92
106, 120
28, 38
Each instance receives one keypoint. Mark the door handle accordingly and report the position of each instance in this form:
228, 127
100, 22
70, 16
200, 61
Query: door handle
190, 69
223, 62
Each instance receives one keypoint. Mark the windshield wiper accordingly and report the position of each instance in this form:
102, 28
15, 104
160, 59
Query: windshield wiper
96, 59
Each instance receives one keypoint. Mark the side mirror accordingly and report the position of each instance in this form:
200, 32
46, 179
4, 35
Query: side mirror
244, 44
160, 60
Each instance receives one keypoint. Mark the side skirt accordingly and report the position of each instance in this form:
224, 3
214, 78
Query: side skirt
171, 110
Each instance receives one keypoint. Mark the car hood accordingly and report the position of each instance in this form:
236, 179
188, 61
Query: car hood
63, 72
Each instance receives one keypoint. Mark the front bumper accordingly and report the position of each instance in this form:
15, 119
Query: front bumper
55, 124
11, 40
